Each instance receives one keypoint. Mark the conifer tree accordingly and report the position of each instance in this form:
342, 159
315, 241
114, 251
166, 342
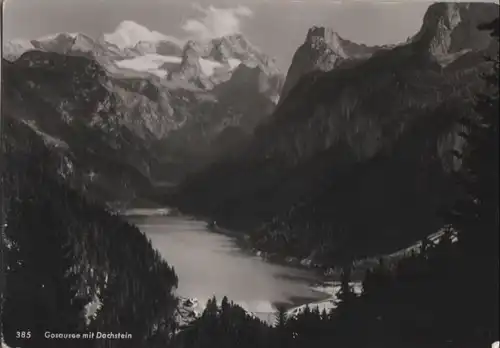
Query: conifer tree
281, 328
324, 315
211, 309
225, 304
346, 294
281, 317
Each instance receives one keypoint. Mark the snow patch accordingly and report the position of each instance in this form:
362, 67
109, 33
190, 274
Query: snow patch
208, 66
47, 138
150, 63
15, 48
233, 63
433, 239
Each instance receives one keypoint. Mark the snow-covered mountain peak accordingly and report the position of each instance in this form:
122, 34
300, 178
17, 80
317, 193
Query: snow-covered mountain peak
129, 33
14, 48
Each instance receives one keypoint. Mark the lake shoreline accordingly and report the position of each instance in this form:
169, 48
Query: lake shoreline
246, 247
327, 274
313, 283
244, 242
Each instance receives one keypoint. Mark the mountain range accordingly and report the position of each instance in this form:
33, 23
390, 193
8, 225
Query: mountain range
141, 99
357, 158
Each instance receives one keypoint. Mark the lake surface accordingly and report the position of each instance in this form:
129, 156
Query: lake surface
209, 263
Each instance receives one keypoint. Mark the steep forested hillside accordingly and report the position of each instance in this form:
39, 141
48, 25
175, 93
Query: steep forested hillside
65, 101
63, 251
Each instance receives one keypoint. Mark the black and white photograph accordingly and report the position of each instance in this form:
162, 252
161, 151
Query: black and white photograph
249, 174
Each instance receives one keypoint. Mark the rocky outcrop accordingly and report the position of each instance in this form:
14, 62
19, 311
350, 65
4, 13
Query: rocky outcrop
450, 30
188, 310
249, 65
323, 50
237, 47
65, 43
190, 69
161, 47
223, 56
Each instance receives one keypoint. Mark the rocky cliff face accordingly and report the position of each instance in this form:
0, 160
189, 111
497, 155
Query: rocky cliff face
359, 159
235, 49
190, 69
247, 81
450, 30
323, 50
211, 63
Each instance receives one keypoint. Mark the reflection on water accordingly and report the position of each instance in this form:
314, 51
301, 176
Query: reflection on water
210, 264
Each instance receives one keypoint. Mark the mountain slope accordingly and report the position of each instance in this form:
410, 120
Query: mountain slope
65, 101
109, 260
143, 105
356, 160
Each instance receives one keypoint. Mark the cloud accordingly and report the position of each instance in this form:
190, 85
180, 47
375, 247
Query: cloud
216, 22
